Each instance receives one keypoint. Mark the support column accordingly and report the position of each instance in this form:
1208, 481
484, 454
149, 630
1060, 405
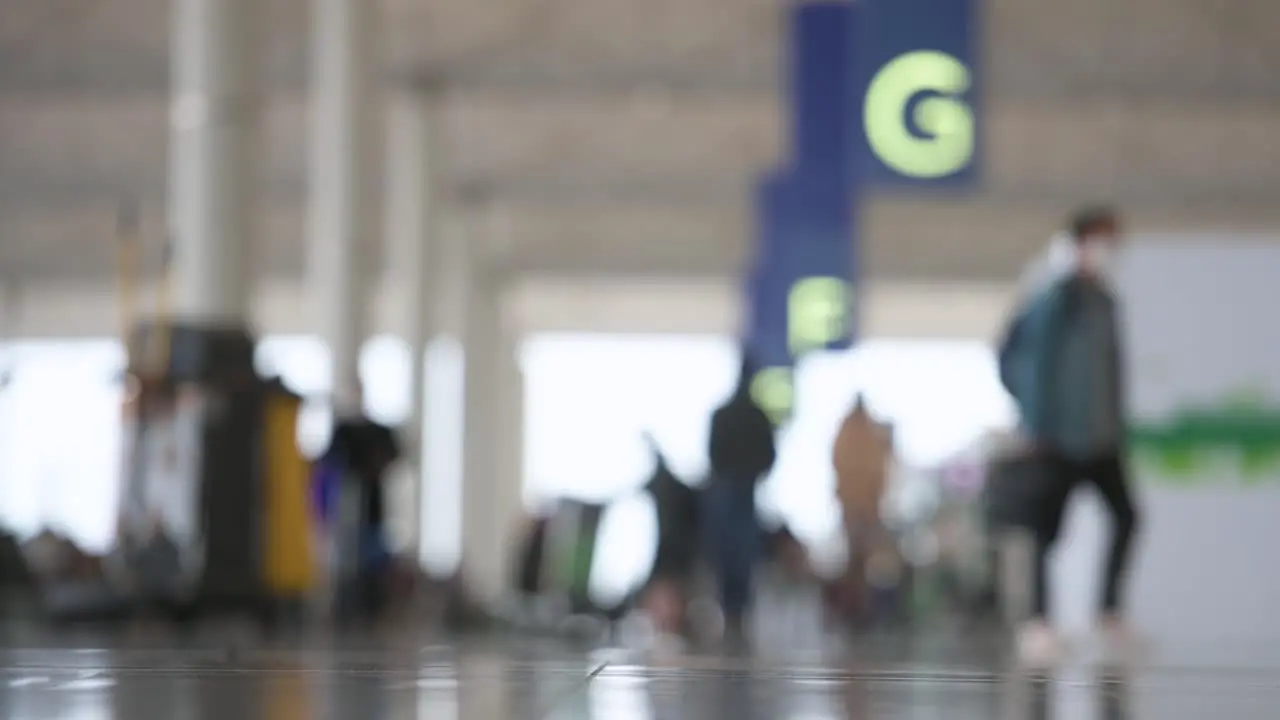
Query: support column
345, 175
197, 402
491, 495
443, 451
413, 239
215, 118
508, 455
481, 346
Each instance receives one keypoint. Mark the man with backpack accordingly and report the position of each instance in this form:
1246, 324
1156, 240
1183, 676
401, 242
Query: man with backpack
742, 453
1062, 362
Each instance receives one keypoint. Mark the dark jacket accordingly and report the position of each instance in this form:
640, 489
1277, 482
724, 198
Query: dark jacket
742, 444
678, 509
1067, 370
365, 450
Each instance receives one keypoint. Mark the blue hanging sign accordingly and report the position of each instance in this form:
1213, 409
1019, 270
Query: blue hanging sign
916, 93
820, 73
806, 251
801, 290
884, 94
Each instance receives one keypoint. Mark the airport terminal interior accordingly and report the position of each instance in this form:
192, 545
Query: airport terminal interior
639, 359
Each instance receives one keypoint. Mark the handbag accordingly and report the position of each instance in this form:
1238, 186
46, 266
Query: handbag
1015, 491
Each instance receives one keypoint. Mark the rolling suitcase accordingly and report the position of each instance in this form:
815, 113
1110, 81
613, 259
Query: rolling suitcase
1012, 492
1012, 498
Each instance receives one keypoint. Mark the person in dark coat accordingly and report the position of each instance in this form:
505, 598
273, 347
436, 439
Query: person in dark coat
365, 450
742, 453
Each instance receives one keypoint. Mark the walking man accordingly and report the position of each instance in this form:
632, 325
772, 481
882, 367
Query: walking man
742, 453
1064, 364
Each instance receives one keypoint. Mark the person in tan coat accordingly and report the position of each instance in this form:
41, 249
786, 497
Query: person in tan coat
862, 455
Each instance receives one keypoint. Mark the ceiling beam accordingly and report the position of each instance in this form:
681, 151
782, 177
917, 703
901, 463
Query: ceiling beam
131, 74
1252, 202
36, 194
1161, 152
981, 237
752, 81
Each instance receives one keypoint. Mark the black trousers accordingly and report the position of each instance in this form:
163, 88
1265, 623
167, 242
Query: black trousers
1060, 477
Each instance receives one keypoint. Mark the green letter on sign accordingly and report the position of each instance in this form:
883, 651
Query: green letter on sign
772, 389
817, 313
944, 117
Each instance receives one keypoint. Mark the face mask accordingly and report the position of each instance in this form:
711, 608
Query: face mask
1096, 256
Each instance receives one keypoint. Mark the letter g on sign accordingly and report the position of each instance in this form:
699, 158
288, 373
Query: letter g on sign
943, 140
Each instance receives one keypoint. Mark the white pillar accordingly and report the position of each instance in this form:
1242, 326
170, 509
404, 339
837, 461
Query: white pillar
215, 118
492, 472
443, 453
345, 176
413, 239
508, 453
481, 345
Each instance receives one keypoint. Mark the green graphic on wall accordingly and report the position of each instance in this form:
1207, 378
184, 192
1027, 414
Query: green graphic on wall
1242, 433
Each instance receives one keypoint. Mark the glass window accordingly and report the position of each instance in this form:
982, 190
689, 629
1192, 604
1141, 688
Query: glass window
940, 397
304, 364
60, 445
590, 398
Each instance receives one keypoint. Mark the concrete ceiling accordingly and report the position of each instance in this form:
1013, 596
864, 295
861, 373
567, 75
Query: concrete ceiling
622, 136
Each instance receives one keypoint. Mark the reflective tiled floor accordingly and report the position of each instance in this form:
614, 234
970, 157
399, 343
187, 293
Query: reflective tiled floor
203, 680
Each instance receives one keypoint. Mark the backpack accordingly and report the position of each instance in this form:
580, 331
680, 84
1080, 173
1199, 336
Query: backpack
1011, 351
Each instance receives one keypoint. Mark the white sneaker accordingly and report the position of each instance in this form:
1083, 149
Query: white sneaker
1039, 645
1120, 642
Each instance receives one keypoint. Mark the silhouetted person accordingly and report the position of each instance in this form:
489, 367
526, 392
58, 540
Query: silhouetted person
676, 506
365, 450
861, 457
742, 452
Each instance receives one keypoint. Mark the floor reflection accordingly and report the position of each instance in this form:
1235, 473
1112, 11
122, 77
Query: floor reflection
622, 697
502, 685
289, 695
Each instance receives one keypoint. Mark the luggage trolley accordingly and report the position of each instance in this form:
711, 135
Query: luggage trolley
555, 569
215, 516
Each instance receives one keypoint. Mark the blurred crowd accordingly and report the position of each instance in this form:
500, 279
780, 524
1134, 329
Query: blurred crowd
947, 561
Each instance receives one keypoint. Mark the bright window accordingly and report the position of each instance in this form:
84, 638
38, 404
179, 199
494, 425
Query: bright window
590, 399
